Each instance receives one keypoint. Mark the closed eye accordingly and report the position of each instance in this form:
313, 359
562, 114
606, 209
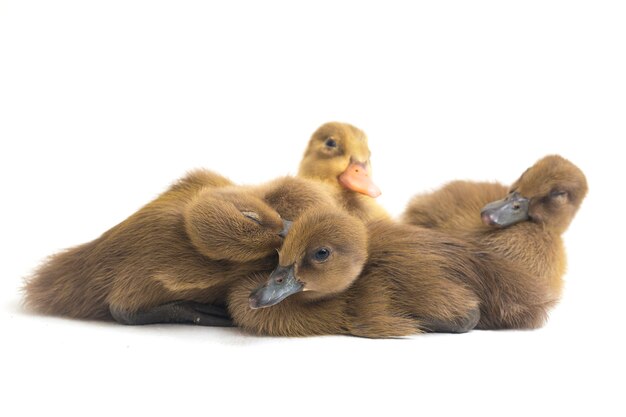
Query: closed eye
557, 193
252, 216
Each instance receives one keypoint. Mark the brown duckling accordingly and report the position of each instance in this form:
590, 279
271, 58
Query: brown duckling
163, 264
521, 231
338, 155
333, 279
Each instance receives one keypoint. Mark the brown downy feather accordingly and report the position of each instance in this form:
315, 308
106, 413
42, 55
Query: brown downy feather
525, 262
165, 252
454, 208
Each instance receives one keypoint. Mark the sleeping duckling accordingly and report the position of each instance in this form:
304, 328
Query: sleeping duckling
338, 155
331, 280
163, 263
525, 228
521, 232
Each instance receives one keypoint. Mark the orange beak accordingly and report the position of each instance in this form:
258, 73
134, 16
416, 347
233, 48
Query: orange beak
357, 178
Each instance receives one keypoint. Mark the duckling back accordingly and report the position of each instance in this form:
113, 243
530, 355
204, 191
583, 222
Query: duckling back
82, 282
454, 208
429, 273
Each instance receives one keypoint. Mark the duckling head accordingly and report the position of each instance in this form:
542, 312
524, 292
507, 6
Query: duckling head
550, 193
338, 152
323, 253
292, 196
233, 225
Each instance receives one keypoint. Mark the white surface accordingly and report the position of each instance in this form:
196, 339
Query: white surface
103, 104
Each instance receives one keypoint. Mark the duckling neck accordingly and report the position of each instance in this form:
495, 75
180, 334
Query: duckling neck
530, 244
365, 207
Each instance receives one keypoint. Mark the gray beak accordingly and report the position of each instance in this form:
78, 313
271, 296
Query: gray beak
506, 212
286, 226
281, 284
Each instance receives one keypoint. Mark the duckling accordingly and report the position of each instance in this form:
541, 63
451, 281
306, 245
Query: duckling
526, 228
164, 263
338, 155
332, 279
521, 232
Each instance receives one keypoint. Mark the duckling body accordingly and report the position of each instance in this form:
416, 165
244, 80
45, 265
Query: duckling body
520, 232
409, 280
523, 278
338, 155
163, 264
454, 208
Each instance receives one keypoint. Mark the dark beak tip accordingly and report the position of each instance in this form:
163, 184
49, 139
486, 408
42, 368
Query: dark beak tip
254, 302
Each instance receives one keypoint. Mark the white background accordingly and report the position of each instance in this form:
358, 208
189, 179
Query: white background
103, 104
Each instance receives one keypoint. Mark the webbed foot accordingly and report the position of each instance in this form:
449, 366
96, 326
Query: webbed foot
459, 325
184, 312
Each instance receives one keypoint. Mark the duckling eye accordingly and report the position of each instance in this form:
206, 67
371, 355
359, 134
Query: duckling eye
321, 254
252, 216
558, 197
331, 143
